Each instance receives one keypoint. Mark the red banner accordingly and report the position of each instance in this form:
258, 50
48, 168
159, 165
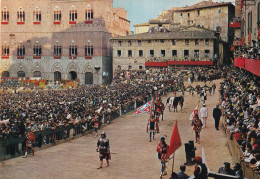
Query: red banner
156, 64
253, 66
239, 62
190, 63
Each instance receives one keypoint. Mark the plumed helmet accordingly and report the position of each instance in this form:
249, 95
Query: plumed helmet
103, 133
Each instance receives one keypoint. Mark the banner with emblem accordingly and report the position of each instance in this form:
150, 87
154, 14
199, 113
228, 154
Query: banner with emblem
143, 109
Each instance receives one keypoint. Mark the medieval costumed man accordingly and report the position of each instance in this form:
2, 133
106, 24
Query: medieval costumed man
162, 149
30, 141
152, 127
160, 108
104, 149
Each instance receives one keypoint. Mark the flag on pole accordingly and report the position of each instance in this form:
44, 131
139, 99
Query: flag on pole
195, 111
175, 142
143, 109
241, 4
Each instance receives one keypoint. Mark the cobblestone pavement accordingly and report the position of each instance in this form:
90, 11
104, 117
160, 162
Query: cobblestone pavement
133, 156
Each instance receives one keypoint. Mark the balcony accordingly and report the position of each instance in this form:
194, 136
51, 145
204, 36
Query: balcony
56, 22
57, 57
36, 57
20, 57
73, 57
89, 22
235, 23
88, 57
72, 22
37, 23
4, 23
5, 57
20, 23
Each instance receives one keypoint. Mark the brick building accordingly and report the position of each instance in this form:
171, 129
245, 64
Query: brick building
60, 39
191, 46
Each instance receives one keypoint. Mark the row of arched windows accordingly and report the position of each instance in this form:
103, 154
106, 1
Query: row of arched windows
37, 16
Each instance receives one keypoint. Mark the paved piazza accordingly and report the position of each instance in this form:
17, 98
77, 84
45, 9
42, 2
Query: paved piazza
133, 156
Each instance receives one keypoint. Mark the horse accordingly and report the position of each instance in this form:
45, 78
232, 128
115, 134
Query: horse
178, 100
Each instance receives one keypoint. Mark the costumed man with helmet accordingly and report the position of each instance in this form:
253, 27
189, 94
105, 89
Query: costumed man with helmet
104, 149
162, 149
152, 127
201, 171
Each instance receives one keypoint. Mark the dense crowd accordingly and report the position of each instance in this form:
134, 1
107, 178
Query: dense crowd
240, 96
38, 110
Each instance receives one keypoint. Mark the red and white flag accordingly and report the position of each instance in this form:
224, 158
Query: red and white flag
143, 109
175, 142
195, 111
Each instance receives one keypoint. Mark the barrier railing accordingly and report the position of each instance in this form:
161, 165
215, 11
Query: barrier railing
236, 153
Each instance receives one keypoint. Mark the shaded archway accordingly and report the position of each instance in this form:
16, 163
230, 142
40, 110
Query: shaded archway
5, 74
73, 75
88, 78
37, 74
21, 74
57, 76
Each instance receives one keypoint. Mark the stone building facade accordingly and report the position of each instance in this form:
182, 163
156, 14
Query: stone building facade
207, 14
250, 22
186, 44
60, 39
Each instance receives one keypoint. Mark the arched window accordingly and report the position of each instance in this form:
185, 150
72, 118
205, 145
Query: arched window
37, 50
73, 50
5, 15
37, 74
20, 50
20, 15
73, 14
37, 17
21, 74
5, 51
89, 14
57, 50
57, 15
89, 50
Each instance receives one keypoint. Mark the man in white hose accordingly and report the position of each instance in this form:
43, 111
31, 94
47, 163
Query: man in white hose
204, 115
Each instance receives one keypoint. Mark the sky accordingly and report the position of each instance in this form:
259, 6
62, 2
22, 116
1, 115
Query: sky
140, 11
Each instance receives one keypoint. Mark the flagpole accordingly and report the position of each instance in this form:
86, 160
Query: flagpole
173, 161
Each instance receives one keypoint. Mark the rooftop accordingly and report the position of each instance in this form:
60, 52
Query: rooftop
202, 5
185, 33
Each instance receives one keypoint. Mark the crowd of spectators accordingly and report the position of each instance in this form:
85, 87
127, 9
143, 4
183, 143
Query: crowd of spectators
240, 101
43, 109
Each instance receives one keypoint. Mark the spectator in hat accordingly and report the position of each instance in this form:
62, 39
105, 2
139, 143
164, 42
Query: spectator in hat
238, 171
201, 171
226, 169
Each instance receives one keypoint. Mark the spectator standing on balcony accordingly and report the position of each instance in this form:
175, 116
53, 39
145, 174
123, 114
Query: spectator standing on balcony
204, 114
216, 115
30, 141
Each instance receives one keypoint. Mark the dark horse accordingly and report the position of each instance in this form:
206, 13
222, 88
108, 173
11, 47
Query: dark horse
178, 100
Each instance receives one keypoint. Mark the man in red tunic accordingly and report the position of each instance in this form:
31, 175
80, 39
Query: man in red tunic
30, 141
